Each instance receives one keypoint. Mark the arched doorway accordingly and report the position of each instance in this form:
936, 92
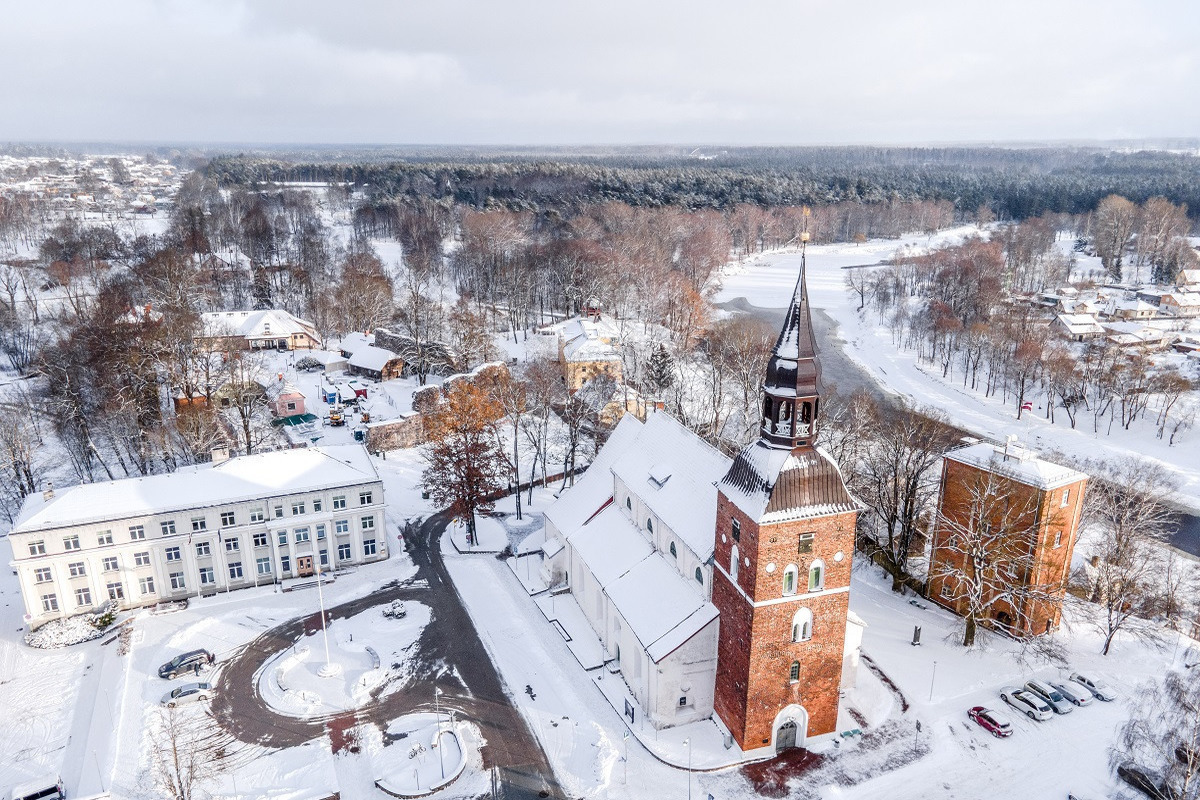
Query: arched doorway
785, 737
791, 728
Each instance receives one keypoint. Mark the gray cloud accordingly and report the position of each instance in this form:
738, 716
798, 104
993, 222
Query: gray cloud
534, 71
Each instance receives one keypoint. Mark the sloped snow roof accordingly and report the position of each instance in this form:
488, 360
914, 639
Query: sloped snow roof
1018, 463
372, 358
589, 348
591, 491
686, 502
239, 479
353, 342
661, 608
610, 545
266, 324
1080, 323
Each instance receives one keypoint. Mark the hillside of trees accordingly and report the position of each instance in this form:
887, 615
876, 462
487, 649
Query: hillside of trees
1010, 183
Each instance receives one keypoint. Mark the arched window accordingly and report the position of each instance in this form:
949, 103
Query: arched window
674, 552
649, 524
794, 672
628, 503
816, 576
699, 576
802, 625
733, 563
790, 576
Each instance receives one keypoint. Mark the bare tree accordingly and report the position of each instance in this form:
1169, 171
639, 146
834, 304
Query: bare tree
1130, 521
1112, 228
898, 479
984, 554
188, 754
1162, 735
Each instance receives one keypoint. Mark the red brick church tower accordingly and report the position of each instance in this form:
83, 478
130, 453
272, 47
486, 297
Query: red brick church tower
784, 544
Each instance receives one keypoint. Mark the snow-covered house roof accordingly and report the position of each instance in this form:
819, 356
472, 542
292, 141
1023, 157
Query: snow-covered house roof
1188, 277
372, 358
672, 472
239, 479
270, 323
595, 488
1018, 463
354, 341
1080, 324
588, 346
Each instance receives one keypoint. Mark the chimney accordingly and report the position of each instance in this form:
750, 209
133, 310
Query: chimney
220, 455
48, 495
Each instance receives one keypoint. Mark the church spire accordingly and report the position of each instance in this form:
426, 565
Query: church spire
791, 391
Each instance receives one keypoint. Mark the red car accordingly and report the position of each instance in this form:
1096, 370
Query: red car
991, 721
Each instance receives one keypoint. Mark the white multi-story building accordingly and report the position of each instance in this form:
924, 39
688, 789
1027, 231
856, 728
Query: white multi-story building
244, 522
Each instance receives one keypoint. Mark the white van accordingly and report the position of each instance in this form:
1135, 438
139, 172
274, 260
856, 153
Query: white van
47, 787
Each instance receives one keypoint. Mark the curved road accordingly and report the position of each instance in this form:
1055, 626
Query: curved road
449, 649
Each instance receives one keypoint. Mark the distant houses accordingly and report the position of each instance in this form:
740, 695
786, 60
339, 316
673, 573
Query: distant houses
270, 329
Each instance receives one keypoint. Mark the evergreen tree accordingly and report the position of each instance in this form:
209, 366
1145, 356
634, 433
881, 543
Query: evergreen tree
660, 370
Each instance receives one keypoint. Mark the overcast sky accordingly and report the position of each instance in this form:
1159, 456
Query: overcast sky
613, 71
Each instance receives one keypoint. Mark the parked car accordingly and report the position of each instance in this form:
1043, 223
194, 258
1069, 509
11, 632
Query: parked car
1027, 703
188, 693
1076, 694
1147, 783
191, 661
1052, 696
1094, 685
991, 721
46, 787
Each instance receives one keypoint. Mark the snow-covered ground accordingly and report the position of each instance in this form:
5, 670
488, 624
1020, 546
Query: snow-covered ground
768, 280
583, 733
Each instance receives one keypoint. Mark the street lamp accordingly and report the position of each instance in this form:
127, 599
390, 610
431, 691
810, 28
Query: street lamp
688, 744
437, 692
327, 671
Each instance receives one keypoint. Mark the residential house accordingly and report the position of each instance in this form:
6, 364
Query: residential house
272, 329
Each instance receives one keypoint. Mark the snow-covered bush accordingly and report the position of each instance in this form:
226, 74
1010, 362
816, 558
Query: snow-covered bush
395, 610
73, 630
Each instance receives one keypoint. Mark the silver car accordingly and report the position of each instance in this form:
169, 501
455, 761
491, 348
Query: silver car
1027, 703
188, 693
1079, 695
1052, 696
1094, 685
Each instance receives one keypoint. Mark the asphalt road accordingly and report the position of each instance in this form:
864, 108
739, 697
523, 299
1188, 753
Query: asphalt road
448, 655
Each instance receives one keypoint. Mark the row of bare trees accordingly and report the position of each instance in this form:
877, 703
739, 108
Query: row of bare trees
1151, 237
951, 307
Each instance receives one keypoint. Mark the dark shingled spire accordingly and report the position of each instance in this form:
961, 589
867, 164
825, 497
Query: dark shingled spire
792, 386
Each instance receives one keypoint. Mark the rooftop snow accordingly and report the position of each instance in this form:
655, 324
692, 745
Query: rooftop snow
370, 357
687, 503
1017, 463
268, 324
662, 609
610, 545
591, 491
240, 479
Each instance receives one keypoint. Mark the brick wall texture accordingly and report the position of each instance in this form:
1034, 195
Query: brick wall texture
756, 652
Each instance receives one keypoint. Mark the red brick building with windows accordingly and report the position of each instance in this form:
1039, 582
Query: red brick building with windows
782, 558
1032, 509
